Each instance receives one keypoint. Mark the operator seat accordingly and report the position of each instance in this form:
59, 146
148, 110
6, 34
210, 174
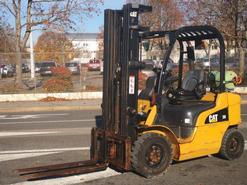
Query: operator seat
193, 85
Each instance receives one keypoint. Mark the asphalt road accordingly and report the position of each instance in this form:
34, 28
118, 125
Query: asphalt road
33, 139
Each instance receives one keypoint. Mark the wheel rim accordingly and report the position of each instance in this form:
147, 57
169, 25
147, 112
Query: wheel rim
154, 155
234, 145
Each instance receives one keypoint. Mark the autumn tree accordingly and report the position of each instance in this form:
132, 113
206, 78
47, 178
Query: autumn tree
54, 46
44, 14
165, 15
227, 16
221, 14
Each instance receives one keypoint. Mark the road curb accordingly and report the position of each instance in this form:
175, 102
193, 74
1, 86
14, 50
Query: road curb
50, 108
39, 96
72, 95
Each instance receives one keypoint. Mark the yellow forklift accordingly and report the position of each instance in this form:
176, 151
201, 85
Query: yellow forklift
174, 118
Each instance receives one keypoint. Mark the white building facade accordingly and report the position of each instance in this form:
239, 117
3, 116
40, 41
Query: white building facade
86, 45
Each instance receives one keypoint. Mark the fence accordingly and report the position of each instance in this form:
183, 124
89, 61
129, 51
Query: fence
80, 79
89, 78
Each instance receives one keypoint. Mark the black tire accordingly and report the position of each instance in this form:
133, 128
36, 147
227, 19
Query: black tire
232, 146
151, 155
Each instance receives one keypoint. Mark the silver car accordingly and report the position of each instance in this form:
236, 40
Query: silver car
74, 67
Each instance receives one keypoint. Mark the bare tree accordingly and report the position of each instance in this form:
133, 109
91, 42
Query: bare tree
44, 14
7, 40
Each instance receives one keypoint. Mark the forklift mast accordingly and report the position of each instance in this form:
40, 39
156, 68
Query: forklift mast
121, 66
111, 143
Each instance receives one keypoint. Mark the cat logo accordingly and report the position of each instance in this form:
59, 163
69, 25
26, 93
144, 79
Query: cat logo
219, 116
133, 14
213, 118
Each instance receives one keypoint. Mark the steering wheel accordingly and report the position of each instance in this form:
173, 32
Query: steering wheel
169, 79
170, 92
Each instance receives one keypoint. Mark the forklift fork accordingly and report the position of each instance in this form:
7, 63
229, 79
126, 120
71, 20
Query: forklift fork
61, 170
118, 157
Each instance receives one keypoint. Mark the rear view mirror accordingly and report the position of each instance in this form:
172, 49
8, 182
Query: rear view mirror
146, 45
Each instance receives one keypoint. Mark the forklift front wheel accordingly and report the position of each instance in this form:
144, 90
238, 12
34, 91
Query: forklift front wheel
232, 145
151, 155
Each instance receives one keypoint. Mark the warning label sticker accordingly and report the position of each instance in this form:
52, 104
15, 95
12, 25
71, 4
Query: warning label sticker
131, 84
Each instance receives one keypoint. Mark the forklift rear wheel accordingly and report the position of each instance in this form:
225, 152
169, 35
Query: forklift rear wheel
151, 155
232, 145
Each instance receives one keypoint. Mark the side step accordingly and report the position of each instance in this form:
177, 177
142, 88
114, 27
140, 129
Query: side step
61, 170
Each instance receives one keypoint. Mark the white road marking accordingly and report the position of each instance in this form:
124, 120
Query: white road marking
7, 134
73, 179
44, 150
55, 121
20, 154
29, 116
8, 157
57, 132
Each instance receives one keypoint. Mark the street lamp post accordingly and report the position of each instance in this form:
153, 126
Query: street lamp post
31, 56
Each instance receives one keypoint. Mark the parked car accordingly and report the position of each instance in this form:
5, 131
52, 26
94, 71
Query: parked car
37, 67
74, 67
94, 65
45, 68
205, 63
7, 70
25, 68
